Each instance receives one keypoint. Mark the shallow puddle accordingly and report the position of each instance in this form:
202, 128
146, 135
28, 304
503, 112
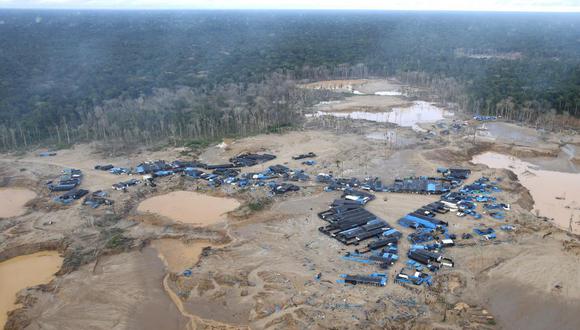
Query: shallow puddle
190, 207
178, 255
23, 272
420, 112
556, 194
12, 201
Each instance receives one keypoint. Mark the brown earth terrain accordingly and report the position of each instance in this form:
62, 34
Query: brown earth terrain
256, 267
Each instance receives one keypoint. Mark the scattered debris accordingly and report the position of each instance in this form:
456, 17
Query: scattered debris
421, 185
104, 167
126, 184
375, 279
247, 160
71, 196
98, 198
486, 233
484, 118
417, 278
119, 170
69, 179
284, 188
302, 156
507, 228
427, 257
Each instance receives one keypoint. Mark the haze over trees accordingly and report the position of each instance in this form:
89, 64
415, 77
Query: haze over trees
67, 76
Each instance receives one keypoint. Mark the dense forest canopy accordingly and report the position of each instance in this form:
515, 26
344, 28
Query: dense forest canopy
57, 67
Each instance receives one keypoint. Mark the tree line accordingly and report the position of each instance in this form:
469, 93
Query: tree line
63, 73
180, 115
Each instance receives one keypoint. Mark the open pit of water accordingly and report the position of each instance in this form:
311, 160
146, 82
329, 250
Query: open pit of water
418, 113
12, 201
556, 194
189, 207
23, 272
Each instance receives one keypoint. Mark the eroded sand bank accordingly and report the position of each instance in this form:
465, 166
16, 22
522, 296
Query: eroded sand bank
556, 194
23, 272
12, 201
189, 207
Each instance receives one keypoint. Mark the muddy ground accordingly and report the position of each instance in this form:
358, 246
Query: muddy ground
122, 268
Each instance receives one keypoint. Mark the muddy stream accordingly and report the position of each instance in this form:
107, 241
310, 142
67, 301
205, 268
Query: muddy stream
179, 256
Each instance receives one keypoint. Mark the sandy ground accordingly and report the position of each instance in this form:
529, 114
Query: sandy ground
364, 103
359, 86
189, 207
122, 268
373, 86
83, 157
12, 201
22, 272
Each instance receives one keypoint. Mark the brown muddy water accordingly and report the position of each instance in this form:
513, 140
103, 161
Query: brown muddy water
556, 194
178, 255
190, 207
22, 272
12, 201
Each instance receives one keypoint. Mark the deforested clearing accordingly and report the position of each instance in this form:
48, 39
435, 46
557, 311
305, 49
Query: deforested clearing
289, 170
